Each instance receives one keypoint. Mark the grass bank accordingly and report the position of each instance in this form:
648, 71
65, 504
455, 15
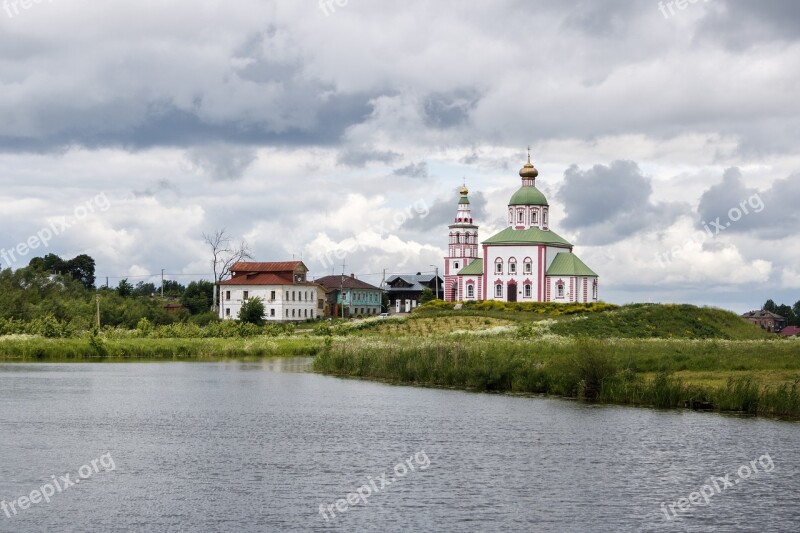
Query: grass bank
26, 349
623, 371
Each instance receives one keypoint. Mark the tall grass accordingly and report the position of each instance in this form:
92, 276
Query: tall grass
611, 371
97, 348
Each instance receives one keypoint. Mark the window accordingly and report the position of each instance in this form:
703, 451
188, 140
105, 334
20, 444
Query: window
272, 295
544, 218
470, 291
245, 295
227, 311
292, 313
528, 266
305, 313
293, 295
520, 217
594, 290
498, 290
535, 218
512, 266
560, 290
287, 296
498, 266
455, 265
527, 291
272, 312
227, 295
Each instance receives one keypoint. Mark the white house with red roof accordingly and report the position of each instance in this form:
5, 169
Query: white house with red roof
525, 262
287, 295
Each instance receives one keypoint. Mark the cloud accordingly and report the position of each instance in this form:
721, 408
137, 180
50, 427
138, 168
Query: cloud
609, 203
442, 212
733, 207
413, 170
221, 161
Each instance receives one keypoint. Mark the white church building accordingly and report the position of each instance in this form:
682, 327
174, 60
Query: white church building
525, 262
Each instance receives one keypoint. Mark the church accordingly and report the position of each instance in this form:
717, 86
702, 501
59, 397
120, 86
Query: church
525, 262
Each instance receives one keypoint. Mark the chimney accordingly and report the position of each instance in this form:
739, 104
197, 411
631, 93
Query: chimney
353, 276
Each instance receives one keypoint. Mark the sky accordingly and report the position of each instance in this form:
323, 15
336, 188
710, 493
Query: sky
339, 132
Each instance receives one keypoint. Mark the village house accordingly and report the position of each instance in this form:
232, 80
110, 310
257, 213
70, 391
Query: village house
282, 286
348, 296
766, 320
405, 291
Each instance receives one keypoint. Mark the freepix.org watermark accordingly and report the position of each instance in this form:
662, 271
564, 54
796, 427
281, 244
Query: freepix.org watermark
374, 486
15, 7
57, 485
55, 227
717, 485
672, 4
420, 208
328, 6
754, 204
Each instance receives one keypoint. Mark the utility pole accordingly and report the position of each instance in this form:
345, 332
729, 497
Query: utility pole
437, 280
162, 283
341, 289
97, 301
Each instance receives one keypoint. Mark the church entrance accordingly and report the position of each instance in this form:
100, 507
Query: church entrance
512, 292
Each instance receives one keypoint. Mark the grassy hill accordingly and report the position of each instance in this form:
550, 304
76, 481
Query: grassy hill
667, 321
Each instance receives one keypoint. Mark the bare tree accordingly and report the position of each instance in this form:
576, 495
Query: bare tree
224, 254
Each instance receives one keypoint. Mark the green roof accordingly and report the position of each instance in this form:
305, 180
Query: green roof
464, 200
527, 236
473, 269
528, 195
568, 264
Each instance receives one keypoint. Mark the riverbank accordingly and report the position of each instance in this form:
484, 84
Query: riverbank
22, 348
753, 377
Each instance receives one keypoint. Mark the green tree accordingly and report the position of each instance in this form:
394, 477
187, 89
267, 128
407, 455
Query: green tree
384, 302
426, 296
144, 289
796, 311
81, 268
770, 306
124, 289
252, 311
197, 297
173, 289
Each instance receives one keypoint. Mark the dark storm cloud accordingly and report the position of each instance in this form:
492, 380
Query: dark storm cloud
442, 212
447, 110
359, 157
609, 203
733, 207
740, 24
413, 170
222, 161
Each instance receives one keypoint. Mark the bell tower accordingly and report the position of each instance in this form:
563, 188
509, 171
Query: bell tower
462, 248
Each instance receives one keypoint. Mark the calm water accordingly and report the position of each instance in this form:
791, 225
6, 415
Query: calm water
239, 446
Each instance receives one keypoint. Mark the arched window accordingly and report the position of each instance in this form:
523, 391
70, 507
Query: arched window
470, 291
527, 290
528, 265
594, 290
498, 266
520, 216
560, 290
498, 290
512, 266
534, 217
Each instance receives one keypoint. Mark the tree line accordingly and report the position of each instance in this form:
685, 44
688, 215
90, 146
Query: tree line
790, 313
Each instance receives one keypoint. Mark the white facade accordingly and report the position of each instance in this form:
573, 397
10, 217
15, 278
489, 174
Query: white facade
282, 303
525, 262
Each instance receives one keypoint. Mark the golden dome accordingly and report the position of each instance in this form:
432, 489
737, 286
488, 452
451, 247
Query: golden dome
464, 191
528, 170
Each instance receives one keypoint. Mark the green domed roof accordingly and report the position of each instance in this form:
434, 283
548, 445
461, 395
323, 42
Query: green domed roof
528, 195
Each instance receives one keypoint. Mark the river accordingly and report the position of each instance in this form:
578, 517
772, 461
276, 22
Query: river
269, 446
